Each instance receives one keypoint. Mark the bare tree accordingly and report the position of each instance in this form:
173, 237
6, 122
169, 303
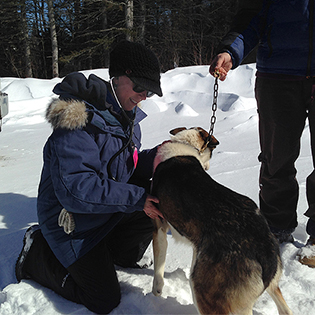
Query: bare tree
54, 42
129, 19
28, 62
142, 20
179, 32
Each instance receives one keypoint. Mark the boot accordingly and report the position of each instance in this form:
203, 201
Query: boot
28, 239
306, 254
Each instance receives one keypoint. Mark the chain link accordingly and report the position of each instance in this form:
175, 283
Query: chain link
214, 105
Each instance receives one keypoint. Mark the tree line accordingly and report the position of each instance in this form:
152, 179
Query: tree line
50, 38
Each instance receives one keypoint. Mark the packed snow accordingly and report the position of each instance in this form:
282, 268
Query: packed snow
187, 101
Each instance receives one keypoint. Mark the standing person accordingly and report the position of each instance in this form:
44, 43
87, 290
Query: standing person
284, 90
94, 183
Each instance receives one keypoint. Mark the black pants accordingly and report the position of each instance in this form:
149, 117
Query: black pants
283, 107
92, 279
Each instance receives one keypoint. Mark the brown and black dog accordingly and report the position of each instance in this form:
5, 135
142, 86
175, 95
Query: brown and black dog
235, 256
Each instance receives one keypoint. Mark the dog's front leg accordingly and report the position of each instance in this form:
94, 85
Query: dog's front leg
159, 252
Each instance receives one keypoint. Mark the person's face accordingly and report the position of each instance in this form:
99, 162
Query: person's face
127, 97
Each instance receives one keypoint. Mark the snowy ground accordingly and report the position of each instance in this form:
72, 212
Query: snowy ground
186, 102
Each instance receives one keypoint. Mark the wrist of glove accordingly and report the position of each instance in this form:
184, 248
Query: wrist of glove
66, 221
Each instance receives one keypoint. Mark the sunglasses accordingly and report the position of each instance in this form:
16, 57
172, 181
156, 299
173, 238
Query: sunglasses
139, 89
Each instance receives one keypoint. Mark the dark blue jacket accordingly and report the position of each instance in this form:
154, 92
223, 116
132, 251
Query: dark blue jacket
88, 131
283, 31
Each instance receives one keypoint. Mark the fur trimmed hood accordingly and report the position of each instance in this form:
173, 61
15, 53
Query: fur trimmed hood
79, 98
75, 91
67, 114
93, 89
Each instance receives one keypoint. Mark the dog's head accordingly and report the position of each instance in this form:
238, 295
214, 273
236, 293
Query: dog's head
197, 138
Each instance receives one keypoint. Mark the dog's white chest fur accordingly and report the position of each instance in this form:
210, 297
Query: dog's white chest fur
172, 149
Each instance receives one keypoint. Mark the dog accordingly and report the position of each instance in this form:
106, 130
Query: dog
235, 256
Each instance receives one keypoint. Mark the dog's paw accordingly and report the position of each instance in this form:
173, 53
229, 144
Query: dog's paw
145, 262
158, 284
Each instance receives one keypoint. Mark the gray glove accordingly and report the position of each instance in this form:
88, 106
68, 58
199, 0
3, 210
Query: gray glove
66, 221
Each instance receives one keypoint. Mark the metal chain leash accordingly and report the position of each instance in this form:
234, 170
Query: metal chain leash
214, 103
214, 108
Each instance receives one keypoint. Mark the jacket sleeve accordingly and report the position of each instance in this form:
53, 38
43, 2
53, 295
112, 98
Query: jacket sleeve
244, 34
81, 184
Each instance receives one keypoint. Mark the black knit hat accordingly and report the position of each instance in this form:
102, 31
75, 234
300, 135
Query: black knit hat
138, 63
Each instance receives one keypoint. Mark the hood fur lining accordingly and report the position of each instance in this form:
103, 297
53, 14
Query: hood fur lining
67, 114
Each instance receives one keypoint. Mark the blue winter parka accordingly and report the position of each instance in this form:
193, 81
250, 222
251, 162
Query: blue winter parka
87, 131
282, 29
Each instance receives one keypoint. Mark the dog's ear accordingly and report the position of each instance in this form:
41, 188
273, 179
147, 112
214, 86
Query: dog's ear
213, 142
177, 130
203, 133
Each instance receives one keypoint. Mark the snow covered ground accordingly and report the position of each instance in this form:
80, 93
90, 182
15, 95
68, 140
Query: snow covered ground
187, 101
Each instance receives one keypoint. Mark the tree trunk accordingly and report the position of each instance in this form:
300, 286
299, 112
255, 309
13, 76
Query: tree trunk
53, 35
129, 19
142, 22
28, 63
104, 27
